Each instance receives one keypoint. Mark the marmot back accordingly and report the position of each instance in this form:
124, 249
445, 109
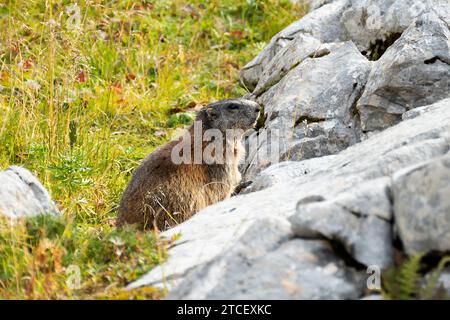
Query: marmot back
170, 186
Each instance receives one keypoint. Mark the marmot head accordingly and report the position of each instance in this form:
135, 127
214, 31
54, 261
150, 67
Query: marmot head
230, 114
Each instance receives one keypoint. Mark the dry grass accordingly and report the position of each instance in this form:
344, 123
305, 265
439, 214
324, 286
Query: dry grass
87, 89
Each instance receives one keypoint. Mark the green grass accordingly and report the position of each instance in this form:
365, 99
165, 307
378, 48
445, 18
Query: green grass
52, 258
84, 97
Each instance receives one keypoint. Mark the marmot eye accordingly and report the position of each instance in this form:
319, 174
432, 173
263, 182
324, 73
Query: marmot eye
233, 107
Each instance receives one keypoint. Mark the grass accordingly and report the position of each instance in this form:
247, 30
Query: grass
87, 89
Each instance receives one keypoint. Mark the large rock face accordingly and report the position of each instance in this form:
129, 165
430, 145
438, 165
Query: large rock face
305, 115
321, 95
414, 72
268, 266
345, 198
356, 103
21, 194
362, 21
323, 24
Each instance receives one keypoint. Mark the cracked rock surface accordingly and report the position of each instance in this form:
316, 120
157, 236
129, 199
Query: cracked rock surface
356, 181
273, 265
355, 100
414, 72
361, 21
306, 116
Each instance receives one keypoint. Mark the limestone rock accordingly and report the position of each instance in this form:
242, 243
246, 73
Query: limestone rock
421, 196
360, 219
306, 116
295, 52
413, 113
322, 24
215, 230
413, 72
21, 194
289, 269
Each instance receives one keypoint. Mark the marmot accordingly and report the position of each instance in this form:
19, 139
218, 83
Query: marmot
163, 192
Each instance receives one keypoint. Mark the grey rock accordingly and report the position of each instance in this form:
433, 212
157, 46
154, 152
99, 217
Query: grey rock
421, 197
413, 72
318, 96
287, 171
288, 57
359, 219
361, 21
315, 4
216, 232
413, 113
366, 21
278, 269
322, 24
306, 116
213, 231
369, 198
21, 194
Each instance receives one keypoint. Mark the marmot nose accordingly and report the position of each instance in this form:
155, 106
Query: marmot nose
257, 108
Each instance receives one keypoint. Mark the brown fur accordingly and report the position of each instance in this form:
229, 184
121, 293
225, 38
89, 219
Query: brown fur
162, 194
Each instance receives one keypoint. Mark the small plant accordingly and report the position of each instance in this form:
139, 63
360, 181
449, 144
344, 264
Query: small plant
71, 172
407, 281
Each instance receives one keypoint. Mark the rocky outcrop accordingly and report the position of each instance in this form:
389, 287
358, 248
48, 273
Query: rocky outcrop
350, 164
21, 194
365, 22
321, 95
351, 190
263, 264
414, 72
306, 116
359, 218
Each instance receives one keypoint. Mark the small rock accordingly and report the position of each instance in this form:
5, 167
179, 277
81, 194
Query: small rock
21, 194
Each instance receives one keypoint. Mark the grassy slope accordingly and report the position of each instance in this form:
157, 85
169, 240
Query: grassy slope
87, 91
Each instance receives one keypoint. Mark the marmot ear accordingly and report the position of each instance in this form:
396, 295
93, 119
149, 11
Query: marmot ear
211, 113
